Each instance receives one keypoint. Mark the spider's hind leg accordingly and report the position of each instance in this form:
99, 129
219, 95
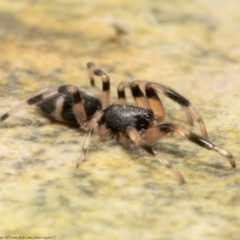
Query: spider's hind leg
63, 104
31, 101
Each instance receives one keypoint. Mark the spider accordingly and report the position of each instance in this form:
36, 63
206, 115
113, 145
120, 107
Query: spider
139, 124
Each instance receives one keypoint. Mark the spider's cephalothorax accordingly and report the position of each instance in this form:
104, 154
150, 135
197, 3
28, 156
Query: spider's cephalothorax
141, 124
118, 117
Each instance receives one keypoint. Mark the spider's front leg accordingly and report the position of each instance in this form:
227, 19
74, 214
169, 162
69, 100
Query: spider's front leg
191, 112
165, 128
152, 101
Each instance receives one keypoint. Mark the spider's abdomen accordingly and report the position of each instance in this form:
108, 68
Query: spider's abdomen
59, 107
118, 117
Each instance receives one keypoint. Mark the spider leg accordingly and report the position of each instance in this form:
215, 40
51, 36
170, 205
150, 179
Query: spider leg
121, 92
123, 139
31, 101
190, 111
93, 70
138, 141
155, 102
91, 128
103, 131
151, 101
137, 93
202, 142
77, 104
55, 111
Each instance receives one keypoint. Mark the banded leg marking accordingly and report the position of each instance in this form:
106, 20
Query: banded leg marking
190, 111
31, 101
93, 70
78, 108
202, 142
137, 94
155, 102
121, 92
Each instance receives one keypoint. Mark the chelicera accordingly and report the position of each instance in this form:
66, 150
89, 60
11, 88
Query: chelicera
140, 125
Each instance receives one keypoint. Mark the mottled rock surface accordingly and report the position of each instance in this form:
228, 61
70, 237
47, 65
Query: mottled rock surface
191, 46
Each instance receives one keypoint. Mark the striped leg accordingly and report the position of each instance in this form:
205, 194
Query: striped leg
138, 141
190, 111
121, 92
54, 107
93, 70
77, 104
103, 132
137, 94
91, 128
154, 103
202, 142
31, 101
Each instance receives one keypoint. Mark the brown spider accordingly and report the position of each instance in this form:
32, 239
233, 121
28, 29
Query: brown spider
129, 124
